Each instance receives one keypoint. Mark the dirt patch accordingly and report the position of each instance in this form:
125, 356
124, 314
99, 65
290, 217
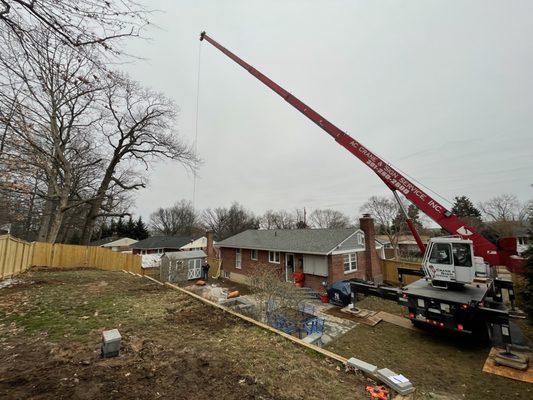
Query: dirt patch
81, 374
174, 347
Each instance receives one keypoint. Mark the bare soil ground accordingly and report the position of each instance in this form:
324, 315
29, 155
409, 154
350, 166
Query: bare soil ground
174, 347
434, 361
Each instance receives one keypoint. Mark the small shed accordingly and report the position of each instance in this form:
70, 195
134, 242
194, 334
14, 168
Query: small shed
180, 266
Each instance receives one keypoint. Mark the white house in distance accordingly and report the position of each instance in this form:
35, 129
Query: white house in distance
121, 245
197, 244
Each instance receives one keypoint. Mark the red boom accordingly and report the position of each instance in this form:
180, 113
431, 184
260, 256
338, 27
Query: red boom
392, 178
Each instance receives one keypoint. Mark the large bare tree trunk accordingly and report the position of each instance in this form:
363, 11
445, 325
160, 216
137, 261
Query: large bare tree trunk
96, 205
44, 227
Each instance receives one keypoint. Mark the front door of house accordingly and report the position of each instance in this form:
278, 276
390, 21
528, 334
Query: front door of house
289, 267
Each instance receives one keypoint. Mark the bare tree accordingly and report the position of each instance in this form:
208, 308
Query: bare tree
503, 213
505, 207
138, 128
50, 93
76, 23
225, 222
271, 291
180, 219
280, 219
328, 218
385, 210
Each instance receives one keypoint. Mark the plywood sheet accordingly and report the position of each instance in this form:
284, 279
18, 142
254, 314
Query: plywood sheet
501, 370
396, 320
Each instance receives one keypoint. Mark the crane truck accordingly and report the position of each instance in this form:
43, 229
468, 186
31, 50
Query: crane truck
458, 289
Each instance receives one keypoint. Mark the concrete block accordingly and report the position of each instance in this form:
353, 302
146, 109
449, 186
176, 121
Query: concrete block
313, 338
362, 365
111, 343
396, 381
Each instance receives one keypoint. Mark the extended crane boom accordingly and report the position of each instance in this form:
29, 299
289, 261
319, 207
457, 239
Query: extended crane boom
391, 177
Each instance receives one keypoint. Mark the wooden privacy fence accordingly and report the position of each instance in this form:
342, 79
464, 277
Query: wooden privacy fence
390, 271
16, 256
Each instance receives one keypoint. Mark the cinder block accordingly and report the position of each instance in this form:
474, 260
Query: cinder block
391, 378
111, 343
362, 365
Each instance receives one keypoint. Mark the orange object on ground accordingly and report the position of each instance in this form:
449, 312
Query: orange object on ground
378, 392
298, 277
200, 283
234, 294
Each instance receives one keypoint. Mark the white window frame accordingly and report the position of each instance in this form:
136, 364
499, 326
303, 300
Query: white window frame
349, 259
360, 238
272, 260
252, 254
238, 258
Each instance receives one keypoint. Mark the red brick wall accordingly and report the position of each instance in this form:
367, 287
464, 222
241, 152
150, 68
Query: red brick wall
229, 255
336, 268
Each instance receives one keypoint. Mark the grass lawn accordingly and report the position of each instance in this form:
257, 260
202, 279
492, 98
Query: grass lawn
174, 347
433, 361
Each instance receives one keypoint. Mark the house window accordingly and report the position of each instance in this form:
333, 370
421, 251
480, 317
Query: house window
253, 254
360, 239
238, 259
273, 257
350, 263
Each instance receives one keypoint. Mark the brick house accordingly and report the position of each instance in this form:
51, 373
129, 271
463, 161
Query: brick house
323, 255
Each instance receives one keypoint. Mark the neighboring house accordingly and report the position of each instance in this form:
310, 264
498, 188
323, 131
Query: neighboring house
321, 254
115, 243
524, 238
103, 241
181, 266
197, 244
162, 244
406, 245
121, 245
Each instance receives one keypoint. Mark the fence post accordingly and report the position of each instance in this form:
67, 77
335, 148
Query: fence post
4, 257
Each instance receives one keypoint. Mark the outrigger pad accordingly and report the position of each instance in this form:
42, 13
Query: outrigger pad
513, 360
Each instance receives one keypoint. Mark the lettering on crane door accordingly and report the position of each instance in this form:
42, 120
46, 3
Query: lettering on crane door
390, 175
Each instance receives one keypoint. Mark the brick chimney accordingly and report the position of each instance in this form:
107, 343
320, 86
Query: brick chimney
373, 263
210, 249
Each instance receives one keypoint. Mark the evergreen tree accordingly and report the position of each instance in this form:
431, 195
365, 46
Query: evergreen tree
525, 295
140, 231
120, 227
465, 209
129, 230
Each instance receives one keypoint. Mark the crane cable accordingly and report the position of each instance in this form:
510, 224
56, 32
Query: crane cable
196, 124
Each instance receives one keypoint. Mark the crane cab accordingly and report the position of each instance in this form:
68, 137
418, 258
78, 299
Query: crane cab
450, 260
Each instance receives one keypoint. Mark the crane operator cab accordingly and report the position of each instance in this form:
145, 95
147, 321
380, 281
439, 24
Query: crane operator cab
450, 260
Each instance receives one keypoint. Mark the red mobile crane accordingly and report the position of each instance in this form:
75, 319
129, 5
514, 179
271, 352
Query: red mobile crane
501, 254
474, 298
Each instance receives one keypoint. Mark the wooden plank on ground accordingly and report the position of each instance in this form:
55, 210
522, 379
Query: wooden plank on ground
491, 368
396, 320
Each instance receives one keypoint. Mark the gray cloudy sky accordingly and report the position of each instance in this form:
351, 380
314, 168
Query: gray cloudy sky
443, 90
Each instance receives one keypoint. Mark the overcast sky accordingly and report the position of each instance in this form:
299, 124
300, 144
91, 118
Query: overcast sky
443, 90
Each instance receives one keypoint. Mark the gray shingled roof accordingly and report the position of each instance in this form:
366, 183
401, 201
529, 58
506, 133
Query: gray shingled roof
162, 242
312, 241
